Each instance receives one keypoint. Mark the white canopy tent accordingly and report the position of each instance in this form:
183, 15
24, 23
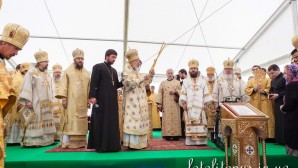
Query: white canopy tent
272, 43
207, 30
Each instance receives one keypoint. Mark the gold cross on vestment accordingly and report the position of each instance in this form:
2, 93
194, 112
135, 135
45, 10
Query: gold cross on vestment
80, 78
45, 81
230, 86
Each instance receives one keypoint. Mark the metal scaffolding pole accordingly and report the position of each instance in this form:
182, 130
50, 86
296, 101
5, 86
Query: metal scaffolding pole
295, 17
135, 41
125, 33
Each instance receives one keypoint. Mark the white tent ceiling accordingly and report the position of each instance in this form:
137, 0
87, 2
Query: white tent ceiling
225, 26
272, 43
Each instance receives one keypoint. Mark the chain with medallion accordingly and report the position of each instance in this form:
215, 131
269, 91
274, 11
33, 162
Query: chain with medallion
111, 74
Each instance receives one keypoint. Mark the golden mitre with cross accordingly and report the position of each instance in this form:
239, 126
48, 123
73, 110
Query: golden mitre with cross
78, 53
193, 63
131, 55
228, 63
41, 56
210, 70
57, 68
15, 35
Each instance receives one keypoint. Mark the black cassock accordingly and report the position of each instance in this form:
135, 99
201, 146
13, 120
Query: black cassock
291, 109
104, 133
278, 85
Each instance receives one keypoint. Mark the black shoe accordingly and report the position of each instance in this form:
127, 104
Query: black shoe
167, 138
270, 140
13, 144
176, 139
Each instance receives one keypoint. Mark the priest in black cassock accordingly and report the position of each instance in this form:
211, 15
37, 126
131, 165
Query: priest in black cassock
104, 133
277, 92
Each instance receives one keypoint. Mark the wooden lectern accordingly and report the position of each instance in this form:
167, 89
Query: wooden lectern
242, 125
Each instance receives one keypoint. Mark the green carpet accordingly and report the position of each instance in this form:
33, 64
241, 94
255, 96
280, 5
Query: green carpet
18, 157
156, 134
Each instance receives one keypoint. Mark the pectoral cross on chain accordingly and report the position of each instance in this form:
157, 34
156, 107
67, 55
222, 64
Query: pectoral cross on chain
230, 86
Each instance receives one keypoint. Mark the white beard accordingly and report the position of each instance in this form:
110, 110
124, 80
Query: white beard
137, 69
57, 79
211, 79
228, 76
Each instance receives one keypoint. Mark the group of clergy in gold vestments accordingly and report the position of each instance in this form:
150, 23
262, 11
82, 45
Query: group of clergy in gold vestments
42, 108
38, 108
13, 39
200, 96
35, 103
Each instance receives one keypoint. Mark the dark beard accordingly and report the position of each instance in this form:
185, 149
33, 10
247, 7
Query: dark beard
79, 66
109, 62
43, 69
193, 74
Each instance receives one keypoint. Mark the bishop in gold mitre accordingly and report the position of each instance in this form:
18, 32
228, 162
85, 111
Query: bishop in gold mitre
73, 91
134, 89
13, 39
228, 86
211, 108
36, 96
57, 107
193, 98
